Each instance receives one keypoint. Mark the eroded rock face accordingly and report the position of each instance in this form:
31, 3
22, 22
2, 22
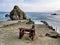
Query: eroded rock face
17, 14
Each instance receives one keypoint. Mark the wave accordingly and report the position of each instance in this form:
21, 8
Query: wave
37, 22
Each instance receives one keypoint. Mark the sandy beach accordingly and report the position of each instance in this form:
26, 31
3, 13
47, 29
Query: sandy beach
9, 34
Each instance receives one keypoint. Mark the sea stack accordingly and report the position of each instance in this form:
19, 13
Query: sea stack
17, 14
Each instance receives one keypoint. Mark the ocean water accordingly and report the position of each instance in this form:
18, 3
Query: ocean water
2, 16
52, 20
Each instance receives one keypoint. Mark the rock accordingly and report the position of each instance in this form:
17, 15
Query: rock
17, 14
50, 27
7, 15
30, 22
45, 22
59, 35
54, 14
53, 29
53, 34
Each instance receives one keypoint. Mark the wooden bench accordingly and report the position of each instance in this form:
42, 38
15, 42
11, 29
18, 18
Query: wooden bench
31, 32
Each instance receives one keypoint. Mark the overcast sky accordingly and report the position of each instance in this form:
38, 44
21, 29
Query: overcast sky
30, 5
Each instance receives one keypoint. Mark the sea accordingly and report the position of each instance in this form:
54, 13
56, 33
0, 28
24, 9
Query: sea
37, 17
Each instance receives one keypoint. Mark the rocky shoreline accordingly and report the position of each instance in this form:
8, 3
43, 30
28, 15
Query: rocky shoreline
53, 34
50, 27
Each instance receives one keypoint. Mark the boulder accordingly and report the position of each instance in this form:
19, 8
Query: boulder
50, 27
45, 22
30, 22
54, 14
7, 15
53, 34
17, 14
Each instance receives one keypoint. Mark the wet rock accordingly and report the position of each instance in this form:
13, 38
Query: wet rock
50, 27
45, 22
7, 15
54, 14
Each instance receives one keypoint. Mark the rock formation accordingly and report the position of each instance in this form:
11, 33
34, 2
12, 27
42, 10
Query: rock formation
54, 14
30, 22
17, 14
7, 15
53, 34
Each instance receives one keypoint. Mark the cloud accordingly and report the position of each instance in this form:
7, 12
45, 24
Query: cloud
30, 5
48, 5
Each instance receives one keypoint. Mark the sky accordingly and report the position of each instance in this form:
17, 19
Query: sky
30, 5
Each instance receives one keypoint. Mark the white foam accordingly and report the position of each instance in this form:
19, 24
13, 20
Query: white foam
38, 22
55, 25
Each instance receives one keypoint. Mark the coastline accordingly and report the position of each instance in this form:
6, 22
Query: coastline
48, 25
10, 32
38, 16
